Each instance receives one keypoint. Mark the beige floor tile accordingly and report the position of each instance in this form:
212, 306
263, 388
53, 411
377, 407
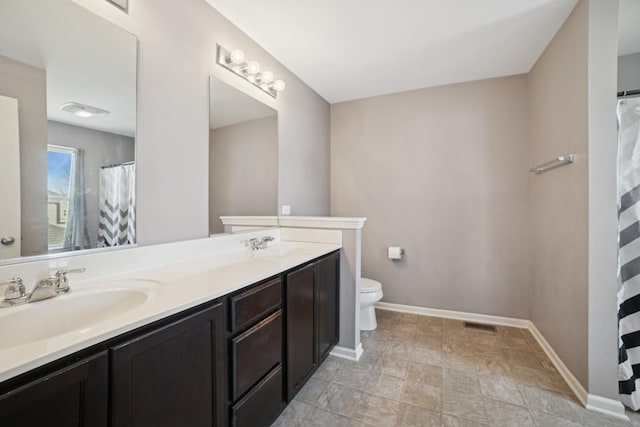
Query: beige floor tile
424, 374
394, 348
322, 418
503, 414
294, 414
429, 330
352, 375
451, 421
545, 420
464, 406
513, 343
485, 339
536, 377
339, 399
328, 369
376, 411
523, 358
427, 342
391, 365
548, 402
500, 388
414, 416
507, 331
492, 366
422, 395
428, 357
385, 385
311, 390
460, 381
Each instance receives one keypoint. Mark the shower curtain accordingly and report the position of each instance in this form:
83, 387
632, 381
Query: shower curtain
629, 252
76, 233
117, 223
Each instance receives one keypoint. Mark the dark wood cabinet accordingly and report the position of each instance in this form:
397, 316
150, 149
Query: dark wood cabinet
328, 308
312, 293
173, 375
255, 354
301, 328
76, 395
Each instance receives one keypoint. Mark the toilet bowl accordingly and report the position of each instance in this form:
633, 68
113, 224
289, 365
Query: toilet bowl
370, 293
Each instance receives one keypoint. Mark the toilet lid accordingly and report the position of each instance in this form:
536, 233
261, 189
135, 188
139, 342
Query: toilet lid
369, 285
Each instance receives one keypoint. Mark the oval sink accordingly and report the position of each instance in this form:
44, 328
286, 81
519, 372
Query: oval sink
73, 312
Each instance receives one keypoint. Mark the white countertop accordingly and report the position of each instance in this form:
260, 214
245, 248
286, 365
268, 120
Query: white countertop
175, 287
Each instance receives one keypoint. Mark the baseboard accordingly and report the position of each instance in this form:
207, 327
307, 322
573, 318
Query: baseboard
611, 407
458, 315
591, 402
347, 353
569, 378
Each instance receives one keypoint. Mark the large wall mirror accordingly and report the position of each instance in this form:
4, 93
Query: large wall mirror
243, 155
67, 129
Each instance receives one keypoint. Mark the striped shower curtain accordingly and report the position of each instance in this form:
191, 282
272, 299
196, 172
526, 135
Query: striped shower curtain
629, 252
117, 223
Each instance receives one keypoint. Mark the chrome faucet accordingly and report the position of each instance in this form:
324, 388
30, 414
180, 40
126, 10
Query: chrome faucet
260, 242
47, 288
15, 293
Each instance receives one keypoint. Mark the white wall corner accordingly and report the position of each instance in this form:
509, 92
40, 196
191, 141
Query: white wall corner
347, 353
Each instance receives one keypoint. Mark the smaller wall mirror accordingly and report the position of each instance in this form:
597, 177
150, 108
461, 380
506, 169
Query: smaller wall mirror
243, 155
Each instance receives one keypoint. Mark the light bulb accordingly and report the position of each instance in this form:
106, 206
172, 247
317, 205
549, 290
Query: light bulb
278, 86
267, 77
83, 113
253, 67
237, 56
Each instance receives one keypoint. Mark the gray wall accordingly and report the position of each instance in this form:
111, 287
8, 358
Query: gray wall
243, 170
441, 172
559, 199
101, 149
28, 85
176, 56
629, 72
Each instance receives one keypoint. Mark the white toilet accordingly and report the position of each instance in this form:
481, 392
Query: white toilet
370, 293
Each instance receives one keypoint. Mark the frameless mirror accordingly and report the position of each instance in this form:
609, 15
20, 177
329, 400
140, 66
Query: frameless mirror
243, 155
68, 122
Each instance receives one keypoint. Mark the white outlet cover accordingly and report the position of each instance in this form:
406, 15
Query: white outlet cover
286, 209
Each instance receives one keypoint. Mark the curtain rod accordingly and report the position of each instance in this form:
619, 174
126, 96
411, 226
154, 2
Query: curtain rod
628, 93
118, 164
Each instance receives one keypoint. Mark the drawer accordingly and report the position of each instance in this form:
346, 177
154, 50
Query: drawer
249, 306
254, 353
263, 403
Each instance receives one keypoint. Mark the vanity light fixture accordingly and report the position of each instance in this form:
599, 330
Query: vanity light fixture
249, 70
81, 110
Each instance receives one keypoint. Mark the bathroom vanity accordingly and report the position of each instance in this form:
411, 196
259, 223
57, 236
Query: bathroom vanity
237, 357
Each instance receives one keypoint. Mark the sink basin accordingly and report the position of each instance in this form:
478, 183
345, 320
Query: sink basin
73, 312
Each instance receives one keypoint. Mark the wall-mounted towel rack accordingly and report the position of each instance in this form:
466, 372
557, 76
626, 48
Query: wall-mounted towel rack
552, 164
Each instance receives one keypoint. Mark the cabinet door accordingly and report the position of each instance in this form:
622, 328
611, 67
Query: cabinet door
172, 376
327, 304
301, 349
75, 395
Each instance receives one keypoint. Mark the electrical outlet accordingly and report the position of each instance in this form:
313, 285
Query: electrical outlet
286, 209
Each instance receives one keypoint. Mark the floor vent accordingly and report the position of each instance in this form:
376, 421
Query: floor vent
481, 326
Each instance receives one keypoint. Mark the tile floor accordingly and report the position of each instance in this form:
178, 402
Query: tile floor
427, 371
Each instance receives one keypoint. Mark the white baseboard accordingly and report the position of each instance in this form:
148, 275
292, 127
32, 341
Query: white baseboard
568, 376
458, 315
347, 353
592, 402
606, 406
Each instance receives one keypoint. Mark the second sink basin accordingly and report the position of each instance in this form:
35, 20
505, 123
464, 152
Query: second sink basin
73, 312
